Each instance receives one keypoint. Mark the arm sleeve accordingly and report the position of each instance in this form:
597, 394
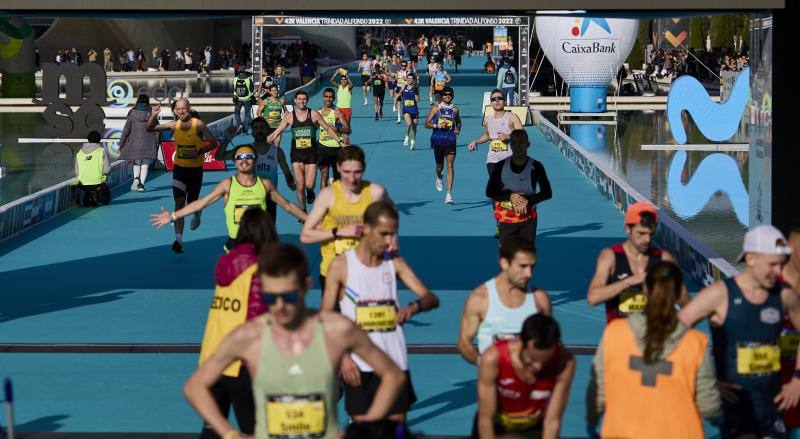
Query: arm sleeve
494, 188
707, 396
126, 131
545, 191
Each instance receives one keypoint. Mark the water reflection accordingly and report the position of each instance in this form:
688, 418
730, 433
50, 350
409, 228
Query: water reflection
590, 136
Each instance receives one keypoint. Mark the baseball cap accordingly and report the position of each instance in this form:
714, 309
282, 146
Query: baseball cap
764, 239
635, 210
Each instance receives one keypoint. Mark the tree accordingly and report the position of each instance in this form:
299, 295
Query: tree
636, 58
722, 27
697, 33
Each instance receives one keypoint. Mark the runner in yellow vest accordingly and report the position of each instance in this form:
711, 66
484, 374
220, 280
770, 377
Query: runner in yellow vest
190, 135
241, 192
328, 147
339, 210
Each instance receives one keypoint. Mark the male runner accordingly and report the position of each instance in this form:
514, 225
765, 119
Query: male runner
190, 135
268, 157
497, 128
409, 101
293, 355
523, 384
365, 68
339, 212
243, 191
392, 70
619, 277
363, 283
329, 147
445, 121
272, 109
401, 78
744, 313
430, 71
304, 122
790, 274
497, 308
344, 95
512, 188
379, 84
439, 80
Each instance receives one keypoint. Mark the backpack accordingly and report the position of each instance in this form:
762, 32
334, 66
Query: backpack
509, 78
240, 88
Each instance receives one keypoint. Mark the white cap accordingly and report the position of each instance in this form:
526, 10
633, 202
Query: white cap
764, 239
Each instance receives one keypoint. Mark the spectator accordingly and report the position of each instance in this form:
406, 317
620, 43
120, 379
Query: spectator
280, 79
92, 168
131, 59
37, 60
154, 61
92, 56
165, 56
308, 70
507, 80
243, 98
107, 63
137, 144
140, 60
179, 60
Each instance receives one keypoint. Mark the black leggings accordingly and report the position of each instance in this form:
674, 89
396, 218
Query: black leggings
239, 393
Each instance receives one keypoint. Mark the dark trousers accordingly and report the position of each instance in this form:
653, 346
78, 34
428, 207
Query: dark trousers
95, 194
236, 391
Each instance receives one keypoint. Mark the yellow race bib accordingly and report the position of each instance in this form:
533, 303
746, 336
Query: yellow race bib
496, 145
445, 124
507, 204
631, 302
296, 416
789, 342
324, 135
409, 103
518, 422
341, 245
377, 316
274, 114
186, 151
758, 359
240, 209
438, 85
302, 142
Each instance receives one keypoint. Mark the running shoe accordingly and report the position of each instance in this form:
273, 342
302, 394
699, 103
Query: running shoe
135, 184
140, 188
310, 196
412, 145
405, 141
398, 121
195, 222
439, 185
177, 247
376, 117
448, 199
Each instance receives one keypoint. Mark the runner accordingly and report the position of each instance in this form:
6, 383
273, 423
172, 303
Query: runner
272, 108
292, 354
344, 96
790, 274
329, 147
304, 145
240, 192
744, 313
409, 99
439, 80
445, 121
392, 70
512, 188
190, 135
339, 212
268, 158
497, 127
365, 68
621, 268
379, 81
523, 384
430, 71
362, 282
497, 308
400, 83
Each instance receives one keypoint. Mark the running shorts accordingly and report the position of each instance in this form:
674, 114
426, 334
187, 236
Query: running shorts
186, 183
306, 156
357, 400
439, 151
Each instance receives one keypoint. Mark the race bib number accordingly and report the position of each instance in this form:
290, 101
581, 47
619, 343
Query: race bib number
240, 209
378, 82
296, 416
186, 151
274, 115
789, 341
497, 145
632, 302
409, 102
445, 124
518, 422
341, 245
377, 316
324, 135
439, 85
758, 359
401, 81
302, 142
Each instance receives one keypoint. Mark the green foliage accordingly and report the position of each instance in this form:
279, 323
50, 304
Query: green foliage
697, 33
722, 27
636, 58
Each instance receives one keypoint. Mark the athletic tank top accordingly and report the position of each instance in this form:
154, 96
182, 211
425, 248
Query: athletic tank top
273, 112
365, 67
343, 97
342, 213
439, 80
402, 76
746, 346
228, 310
186, 143
378, 83
444, 125
789, 340
241, 198
267, 165
409, 99
502, 322
521, 405
304, 134
325, 138
498, 149
633, 299
519, 183
370, 300
295, 396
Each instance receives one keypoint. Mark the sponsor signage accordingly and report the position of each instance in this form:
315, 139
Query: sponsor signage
209, 164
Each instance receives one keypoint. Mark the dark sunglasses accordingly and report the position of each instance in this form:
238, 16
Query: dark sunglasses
498, 98
271, 298
447, 94
245, 157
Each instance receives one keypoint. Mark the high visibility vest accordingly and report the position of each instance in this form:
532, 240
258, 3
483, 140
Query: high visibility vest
90, 167
243, 87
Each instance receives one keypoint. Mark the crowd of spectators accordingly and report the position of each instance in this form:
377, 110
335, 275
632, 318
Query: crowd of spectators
702, 64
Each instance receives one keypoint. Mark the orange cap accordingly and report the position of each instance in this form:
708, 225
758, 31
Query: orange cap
635, 210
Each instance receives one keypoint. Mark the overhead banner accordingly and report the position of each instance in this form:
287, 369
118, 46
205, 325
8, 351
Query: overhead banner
281, 20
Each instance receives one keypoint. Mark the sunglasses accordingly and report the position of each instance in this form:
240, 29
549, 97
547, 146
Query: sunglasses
271, 298
447, 94
498, 98
245, 157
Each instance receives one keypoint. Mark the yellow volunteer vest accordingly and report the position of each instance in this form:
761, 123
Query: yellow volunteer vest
228, 310
90, 167
187, 142
341, 214
637, 393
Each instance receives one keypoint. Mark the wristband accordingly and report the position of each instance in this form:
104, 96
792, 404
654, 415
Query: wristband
173, 217
233, 434
335, 231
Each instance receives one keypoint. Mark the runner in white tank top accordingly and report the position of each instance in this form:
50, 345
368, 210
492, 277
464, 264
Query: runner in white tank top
497, 126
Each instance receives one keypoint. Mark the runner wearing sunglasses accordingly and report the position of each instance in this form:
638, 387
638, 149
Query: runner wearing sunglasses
445, 121
241, 192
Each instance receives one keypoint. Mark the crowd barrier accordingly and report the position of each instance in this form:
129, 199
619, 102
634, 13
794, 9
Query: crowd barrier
695, 258
24, 213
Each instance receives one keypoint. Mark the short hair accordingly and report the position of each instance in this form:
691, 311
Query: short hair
519, 135
93, 137
259, 119
272, 85
143, 99
279, 259
497, 90
351, 152
514, 244
301, 92
648, 220
542, 330
257, 228
448, 90
329, 90
379, 209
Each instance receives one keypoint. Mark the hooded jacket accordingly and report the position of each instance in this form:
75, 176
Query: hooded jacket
136, 143
231, 265
89, 147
